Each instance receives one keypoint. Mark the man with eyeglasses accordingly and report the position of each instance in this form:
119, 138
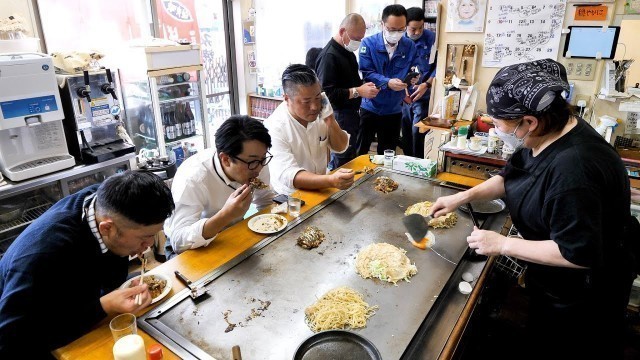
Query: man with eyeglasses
386, 59
211, 189
337, 69
304, 130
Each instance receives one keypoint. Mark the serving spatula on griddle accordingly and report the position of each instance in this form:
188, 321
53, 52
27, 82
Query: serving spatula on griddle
418, 229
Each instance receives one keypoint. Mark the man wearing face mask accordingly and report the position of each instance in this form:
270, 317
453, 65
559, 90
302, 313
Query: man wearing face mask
386, 59
567, 191
337, 69
412, 139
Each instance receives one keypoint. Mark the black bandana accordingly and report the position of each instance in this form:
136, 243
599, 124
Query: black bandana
526, 88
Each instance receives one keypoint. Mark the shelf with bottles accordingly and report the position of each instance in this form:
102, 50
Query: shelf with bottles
261, 107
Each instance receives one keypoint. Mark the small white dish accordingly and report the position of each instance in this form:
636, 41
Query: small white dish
267, 223
164, 292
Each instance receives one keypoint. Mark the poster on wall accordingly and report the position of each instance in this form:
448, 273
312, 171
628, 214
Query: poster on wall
177, 20
524, 32
248, 32
466, 15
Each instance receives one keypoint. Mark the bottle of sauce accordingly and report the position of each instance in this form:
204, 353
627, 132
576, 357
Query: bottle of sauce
454, 136
462, 137
492, 141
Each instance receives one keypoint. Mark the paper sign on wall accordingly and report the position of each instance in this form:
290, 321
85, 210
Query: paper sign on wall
527, 31
591, 13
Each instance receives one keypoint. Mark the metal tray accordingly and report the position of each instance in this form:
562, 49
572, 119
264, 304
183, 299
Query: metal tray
292, 278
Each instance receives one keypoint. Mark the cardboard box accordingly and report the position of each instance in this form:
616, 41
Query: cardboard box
415, 166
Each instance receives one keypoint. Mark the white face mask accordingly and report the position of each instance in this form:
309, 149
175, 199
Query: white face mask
511, 139
392, 37
353, 45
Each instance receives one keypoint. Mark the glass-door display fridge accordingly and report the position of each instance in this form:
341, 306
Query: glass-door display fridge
164, 102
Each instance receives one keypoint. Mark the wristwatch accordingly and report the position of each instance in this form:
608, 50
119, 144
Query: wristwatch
355, 93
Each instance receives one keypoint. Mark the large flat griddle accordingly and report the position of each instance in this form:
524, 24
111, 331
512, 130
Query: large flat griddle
292, 278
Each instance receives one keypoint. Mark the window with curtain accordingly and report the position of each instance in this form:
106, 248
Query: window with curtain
287, 29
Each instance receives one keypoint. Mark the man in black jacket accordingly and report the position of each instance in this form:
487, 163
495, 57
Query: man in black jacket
337, 69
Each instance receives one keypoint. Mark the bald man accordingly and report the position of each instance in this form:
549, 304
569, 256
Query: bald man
337, 69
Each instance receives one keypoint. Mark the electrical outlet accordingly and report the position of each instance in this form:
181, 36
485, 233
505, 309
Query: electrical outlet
586, 98
580, 69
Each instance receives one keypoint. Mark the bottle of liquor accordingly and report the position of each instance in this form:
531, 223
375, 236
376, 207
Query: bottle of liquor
178, 126
189, 116
457, 94
169, 127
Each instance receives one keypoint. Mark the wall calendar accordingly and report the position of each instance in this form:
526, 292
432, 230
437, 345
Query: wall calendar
524, 32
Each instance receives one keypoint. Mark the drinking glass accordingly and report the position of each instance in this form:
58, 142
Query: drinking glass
294, 206
123, 325
388, 158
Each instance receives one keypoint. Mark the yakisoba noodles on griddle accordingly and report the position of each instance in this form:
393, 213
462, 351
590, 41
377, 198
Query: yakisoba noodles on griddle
340, 308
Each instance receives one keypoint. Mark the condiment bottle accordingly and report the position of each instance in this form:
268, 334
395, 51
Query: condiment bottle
492, 141
462, 137
454, 136
154, 352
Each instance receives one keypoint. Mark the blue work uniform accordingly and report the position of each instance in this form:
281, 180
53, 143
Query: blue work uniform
412, 139
382, 114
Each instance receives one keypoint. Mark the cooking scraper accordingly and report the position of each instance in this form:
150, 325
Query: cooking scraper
418, 228
197, 291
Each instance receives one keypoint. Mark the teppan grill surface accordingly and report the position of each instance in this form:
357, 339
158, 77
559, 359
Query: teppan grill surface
265, 290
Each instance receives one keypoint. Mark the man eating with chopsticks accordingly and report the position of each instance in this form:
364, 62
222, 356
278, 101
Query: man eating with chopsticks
57, 279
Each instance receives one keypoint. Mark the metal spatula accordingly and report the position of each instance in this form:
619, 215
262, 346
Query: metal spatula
196, 292
418, 228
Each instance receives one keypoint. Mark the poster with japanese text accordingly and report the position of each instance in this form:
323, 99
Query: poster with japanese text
177, 20
466, 15
522, 31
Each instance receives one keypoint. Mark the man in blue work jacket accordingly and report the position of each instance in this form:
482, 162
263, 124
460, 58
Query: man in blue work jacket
386, 59
412, 139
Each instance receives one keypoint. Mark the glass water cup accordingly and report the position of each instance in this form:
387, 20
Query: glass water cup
294, 206
123, 325
388, 158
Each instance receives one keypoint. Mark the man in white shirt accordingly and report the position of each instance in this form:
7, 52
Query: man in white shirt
303, 130
211, 189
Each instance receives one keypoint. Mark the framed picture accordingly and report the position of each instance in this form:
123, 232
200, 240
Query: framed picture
248, 32
466, 15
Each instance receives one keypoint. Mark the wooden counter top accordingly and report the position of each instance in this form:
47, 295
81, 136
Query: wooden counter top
194, 264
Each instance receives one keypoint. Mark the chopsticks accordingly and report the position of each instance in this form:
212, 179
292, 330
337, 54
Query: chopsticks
138, 299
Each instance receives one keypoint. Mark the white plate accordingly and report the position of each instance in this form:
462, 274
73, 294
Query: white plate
255, 222
164, 293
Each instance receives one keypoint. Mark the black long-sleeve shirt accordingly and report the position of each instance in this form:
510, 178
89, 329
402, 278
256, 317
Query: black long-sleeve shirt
337, 69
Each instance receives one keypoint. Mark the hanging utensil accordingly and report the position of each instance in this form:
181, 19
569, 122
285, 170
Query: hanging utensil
452, 65
463, 78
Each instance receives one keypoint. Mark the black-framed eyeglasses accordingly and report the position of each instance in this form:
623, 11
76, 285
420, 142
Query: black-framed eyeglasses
253, 164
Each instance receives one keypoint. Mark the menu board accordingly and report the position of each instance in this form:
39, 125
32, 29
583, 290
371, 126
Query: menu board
527, 31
